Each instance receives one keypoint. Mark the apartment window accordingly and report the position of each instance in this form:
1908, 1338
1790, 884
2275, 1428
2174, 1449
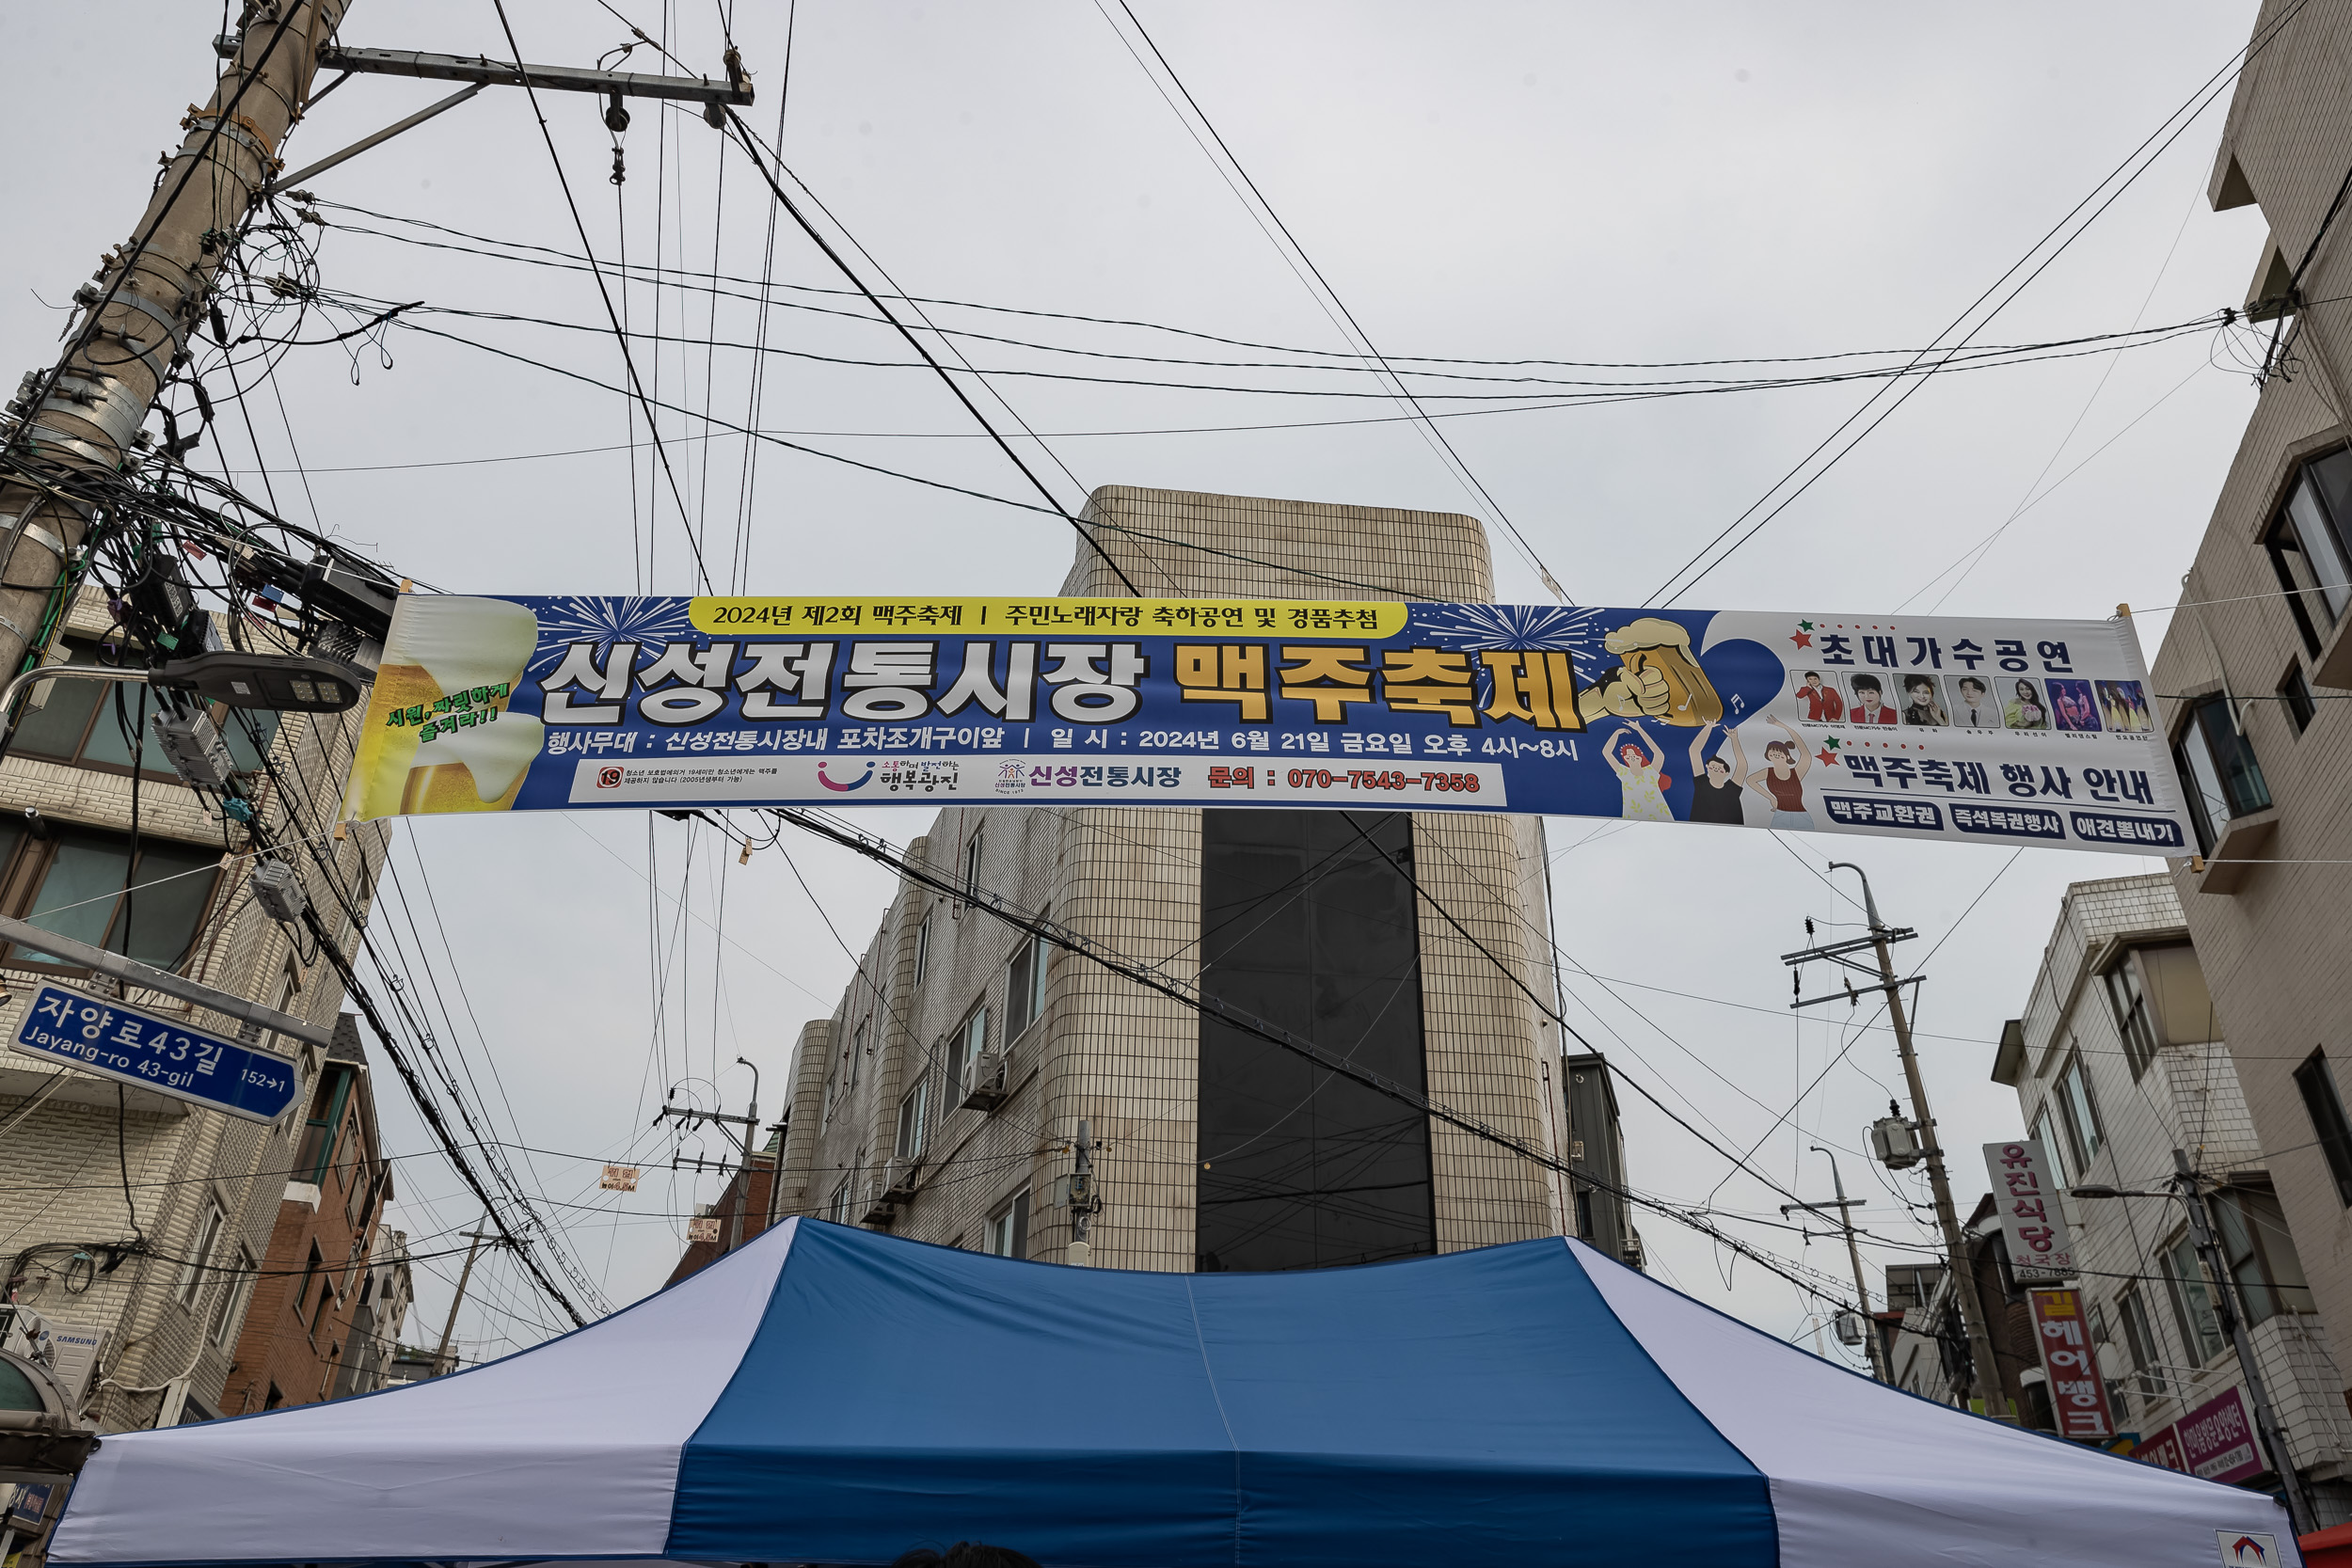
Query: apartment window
1007, 1233
914, 1119
2139, 1342
1025, 987
79, 724
841, 1204
2046, 1133
71, 880
2129, 998
972, 866
2295, 695
309, 1277
922, 949
2192, 1301
2224, 779
966, 1045
199, 1258
229, 1311
2307, 546
327, 1101
2085, 1136
2326, 1108
2259, 1253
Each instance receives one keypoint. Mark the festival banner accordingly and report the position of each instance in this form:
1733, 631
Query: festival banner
1972, 731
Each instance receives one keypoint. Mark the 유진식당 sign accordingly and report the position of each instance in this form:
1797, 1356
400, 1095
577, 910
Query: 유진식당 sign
1965, 730
2026, 1191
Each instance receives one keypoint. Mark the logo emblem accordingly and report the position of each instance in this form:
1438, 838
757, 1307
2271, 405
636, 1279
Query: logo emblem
858, 782
608, 778
2246, 1549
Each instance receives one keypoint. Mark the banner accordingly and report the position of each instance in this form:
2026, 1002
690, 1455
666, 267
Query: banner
2026, 1188
2069, 1363
1971, 731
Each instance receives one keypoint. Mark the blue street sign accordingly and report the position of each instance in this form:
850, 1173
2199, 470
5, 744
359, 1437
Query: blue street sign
154, 1053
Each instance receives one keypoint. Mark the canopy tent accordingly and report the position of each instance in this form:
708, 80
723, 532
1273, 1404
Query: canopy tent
830, 1396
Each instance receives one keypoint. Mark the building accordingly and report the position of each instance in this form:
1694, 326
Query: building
160, 1280
2256, 666
1926, 1337
745, 1208
943, 1098
2120, 1058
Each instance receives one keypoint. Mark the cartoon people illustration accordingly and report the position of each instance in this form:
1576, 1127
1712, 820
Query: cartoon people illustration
1919, 704
1638, 769
1821, 703
2071, 702
2024, 710
1718, 787
1781, 780
1657, 678
1974, 711
1869, 702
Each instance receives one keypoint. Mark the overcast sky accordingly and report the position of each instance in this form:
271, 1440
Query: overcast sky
1580, 182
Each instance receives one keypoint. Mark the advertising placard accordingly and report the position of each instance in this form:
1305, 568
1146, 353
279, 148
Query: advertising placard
1965, 730
2216, 1440
2079, 1395
2039, 1242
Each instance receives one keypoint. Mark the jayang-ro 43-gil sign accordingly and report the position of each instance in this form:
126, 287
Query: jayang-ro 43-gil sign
1965, 730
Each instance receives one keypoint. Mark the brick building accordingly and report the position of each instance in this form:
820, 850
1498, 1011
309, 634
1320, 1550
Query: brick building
2256, 665
942, 1098
165, 1279
2120, 1058
325, 1315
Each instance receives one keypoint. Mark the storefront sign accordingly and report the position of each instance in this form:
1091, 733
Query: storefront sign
2216, 1440
1963, 729
2078, 1396
2026, 1191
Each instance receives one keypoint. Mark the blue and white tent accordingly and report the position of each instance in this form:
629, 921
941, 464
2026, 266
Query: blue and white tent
830, 1396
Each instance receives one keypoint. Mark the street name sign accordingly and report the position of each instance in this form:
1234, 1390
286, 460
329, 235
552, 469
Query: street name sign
154, 1053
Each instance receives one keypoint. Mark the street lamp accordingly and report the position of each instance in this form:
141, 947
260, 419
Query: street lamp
2184, 1186
290, 683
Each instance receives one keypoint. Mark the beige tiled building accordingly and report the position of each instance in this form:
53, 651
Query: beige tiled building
204, 1189
2256, 666
943, 1097
2119, 1059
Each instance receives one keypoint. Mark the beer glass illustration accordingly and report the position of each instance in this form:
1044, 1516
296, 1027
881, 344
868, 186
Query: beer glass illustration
1658, 676
442, 649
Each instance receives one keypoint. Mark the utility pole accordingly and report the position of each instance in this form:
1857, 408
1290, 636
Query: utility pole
136, 314
751, 1132
2189, 1185
743, 1141
449, 1329
1984, 1376
1853, 1255
1082, 1199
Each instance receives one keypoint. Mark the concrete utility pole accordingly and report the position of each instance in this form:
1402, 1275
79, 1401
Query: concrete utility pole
2274, 1438
1854, 1254
1983, 1375
750, 1134
138, 312
449, 1329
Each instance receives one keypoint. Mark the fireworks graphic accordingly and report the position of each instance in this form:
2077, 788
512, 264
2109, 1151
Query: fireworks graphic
568, 619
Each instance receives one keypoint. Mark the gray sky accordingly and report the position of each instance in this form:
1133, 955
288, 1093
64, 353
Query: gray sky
1499, 180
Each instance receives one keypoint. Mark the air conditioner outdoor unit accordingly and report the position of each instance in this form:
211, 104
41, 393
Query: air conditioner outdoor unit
885, 1193
984, 1082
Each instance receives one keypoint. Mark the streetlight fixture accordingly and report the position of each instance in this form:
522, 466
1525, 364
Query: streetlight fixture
290, 683
2186, 1187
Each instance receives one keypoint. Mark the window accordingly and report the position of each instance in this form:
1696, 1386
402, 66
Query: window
317, 1149
972, 866
2130, 1001
2326, 1108
229, 1311
2295, 695
71, 880
2224, 779
2139, 1340
2307, 547
201, 1254
2046, 1133
78, 724
2192, 1301
1025, 987
1007, 1233
922, 948
914, 1119
841, 1204
301, 1297
966, 1045
2259, 1253
2084, 1134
